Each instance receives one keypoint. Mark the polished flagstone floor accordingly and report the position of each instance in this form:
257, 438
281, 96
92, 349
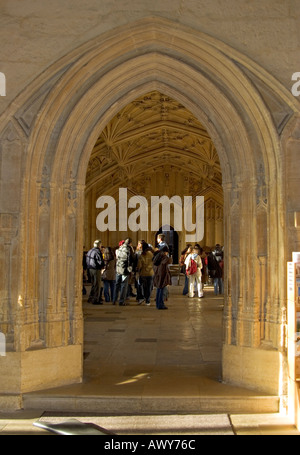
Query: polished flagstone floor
138, 359
153, 372
139, 349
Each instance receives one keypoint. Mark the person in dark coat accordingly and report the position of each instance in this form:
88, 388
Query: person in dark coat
95, 264
215, 265
162, 275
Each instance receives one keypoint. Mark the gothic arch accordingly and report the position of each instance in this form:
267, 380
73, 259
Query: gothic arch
75, 100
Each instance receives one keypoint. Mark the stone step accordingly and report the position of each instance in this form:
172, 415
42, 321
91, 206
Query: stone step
158, 405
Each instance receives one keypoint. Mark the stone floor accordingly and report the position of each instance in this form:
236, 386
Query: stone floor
154, 372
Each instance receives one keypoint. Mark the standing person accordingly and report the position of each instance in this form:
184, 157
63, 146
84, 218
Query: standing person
183, 257
117, 250
202, 256
204, 270
139, 287
102, 249
193, 264
131, 280
95, 264
145, 270
109, 274
124, 264
162, 275
215, 268
161, 243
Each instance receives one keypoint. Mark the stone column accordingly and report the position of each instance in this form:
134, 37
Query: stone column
251, 354
41, 310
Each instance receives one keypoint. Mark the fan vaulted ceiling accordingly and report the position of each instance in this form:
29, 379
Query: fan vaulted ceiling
151, 132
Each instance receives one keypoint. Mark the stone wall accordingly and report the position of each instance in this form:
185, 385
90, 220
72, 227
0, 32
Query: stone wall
33, 34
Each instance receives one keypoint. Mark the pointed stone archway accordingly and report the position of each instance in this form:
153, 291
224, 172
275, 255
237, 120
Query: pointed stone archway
52, 128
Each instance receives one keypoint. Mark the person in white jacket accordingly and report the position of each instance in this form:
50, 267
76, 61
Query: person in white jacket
194, 275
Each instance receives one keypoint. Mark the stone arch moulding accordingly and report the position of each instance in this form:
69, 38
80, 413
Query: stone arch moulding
62, 114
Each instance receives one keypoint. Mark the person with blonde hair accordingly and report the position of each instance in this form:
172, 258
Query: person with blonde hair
194, 266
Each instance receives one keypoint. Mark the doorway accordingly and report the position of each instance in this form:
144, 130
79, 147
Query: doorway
208, 78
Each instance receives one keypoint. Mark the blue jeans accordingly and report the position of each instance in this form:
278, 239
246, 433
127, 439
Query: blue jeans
218, 286
186, 286
160, 298
121, 286
109, 290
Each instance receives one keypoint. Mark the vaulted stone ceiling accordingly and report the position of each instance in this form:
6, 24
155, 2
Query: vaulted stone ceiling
154, 132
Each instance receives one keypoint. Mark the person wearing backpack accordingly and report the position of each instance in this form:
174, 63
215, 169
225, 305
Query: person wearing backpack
194, 266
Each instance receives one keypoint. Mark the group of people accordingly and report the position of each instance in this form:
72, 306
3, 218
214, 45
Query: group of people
121, 270
197, 265
115, 273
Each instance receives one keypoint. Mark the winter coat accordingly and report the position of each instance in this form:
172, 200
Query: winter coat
109, 270
94, 259
125, 260
145, 264
215, 265
162, 275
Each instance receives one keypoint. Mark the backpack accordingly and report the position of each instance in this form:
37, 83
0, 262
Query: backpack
192, 268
